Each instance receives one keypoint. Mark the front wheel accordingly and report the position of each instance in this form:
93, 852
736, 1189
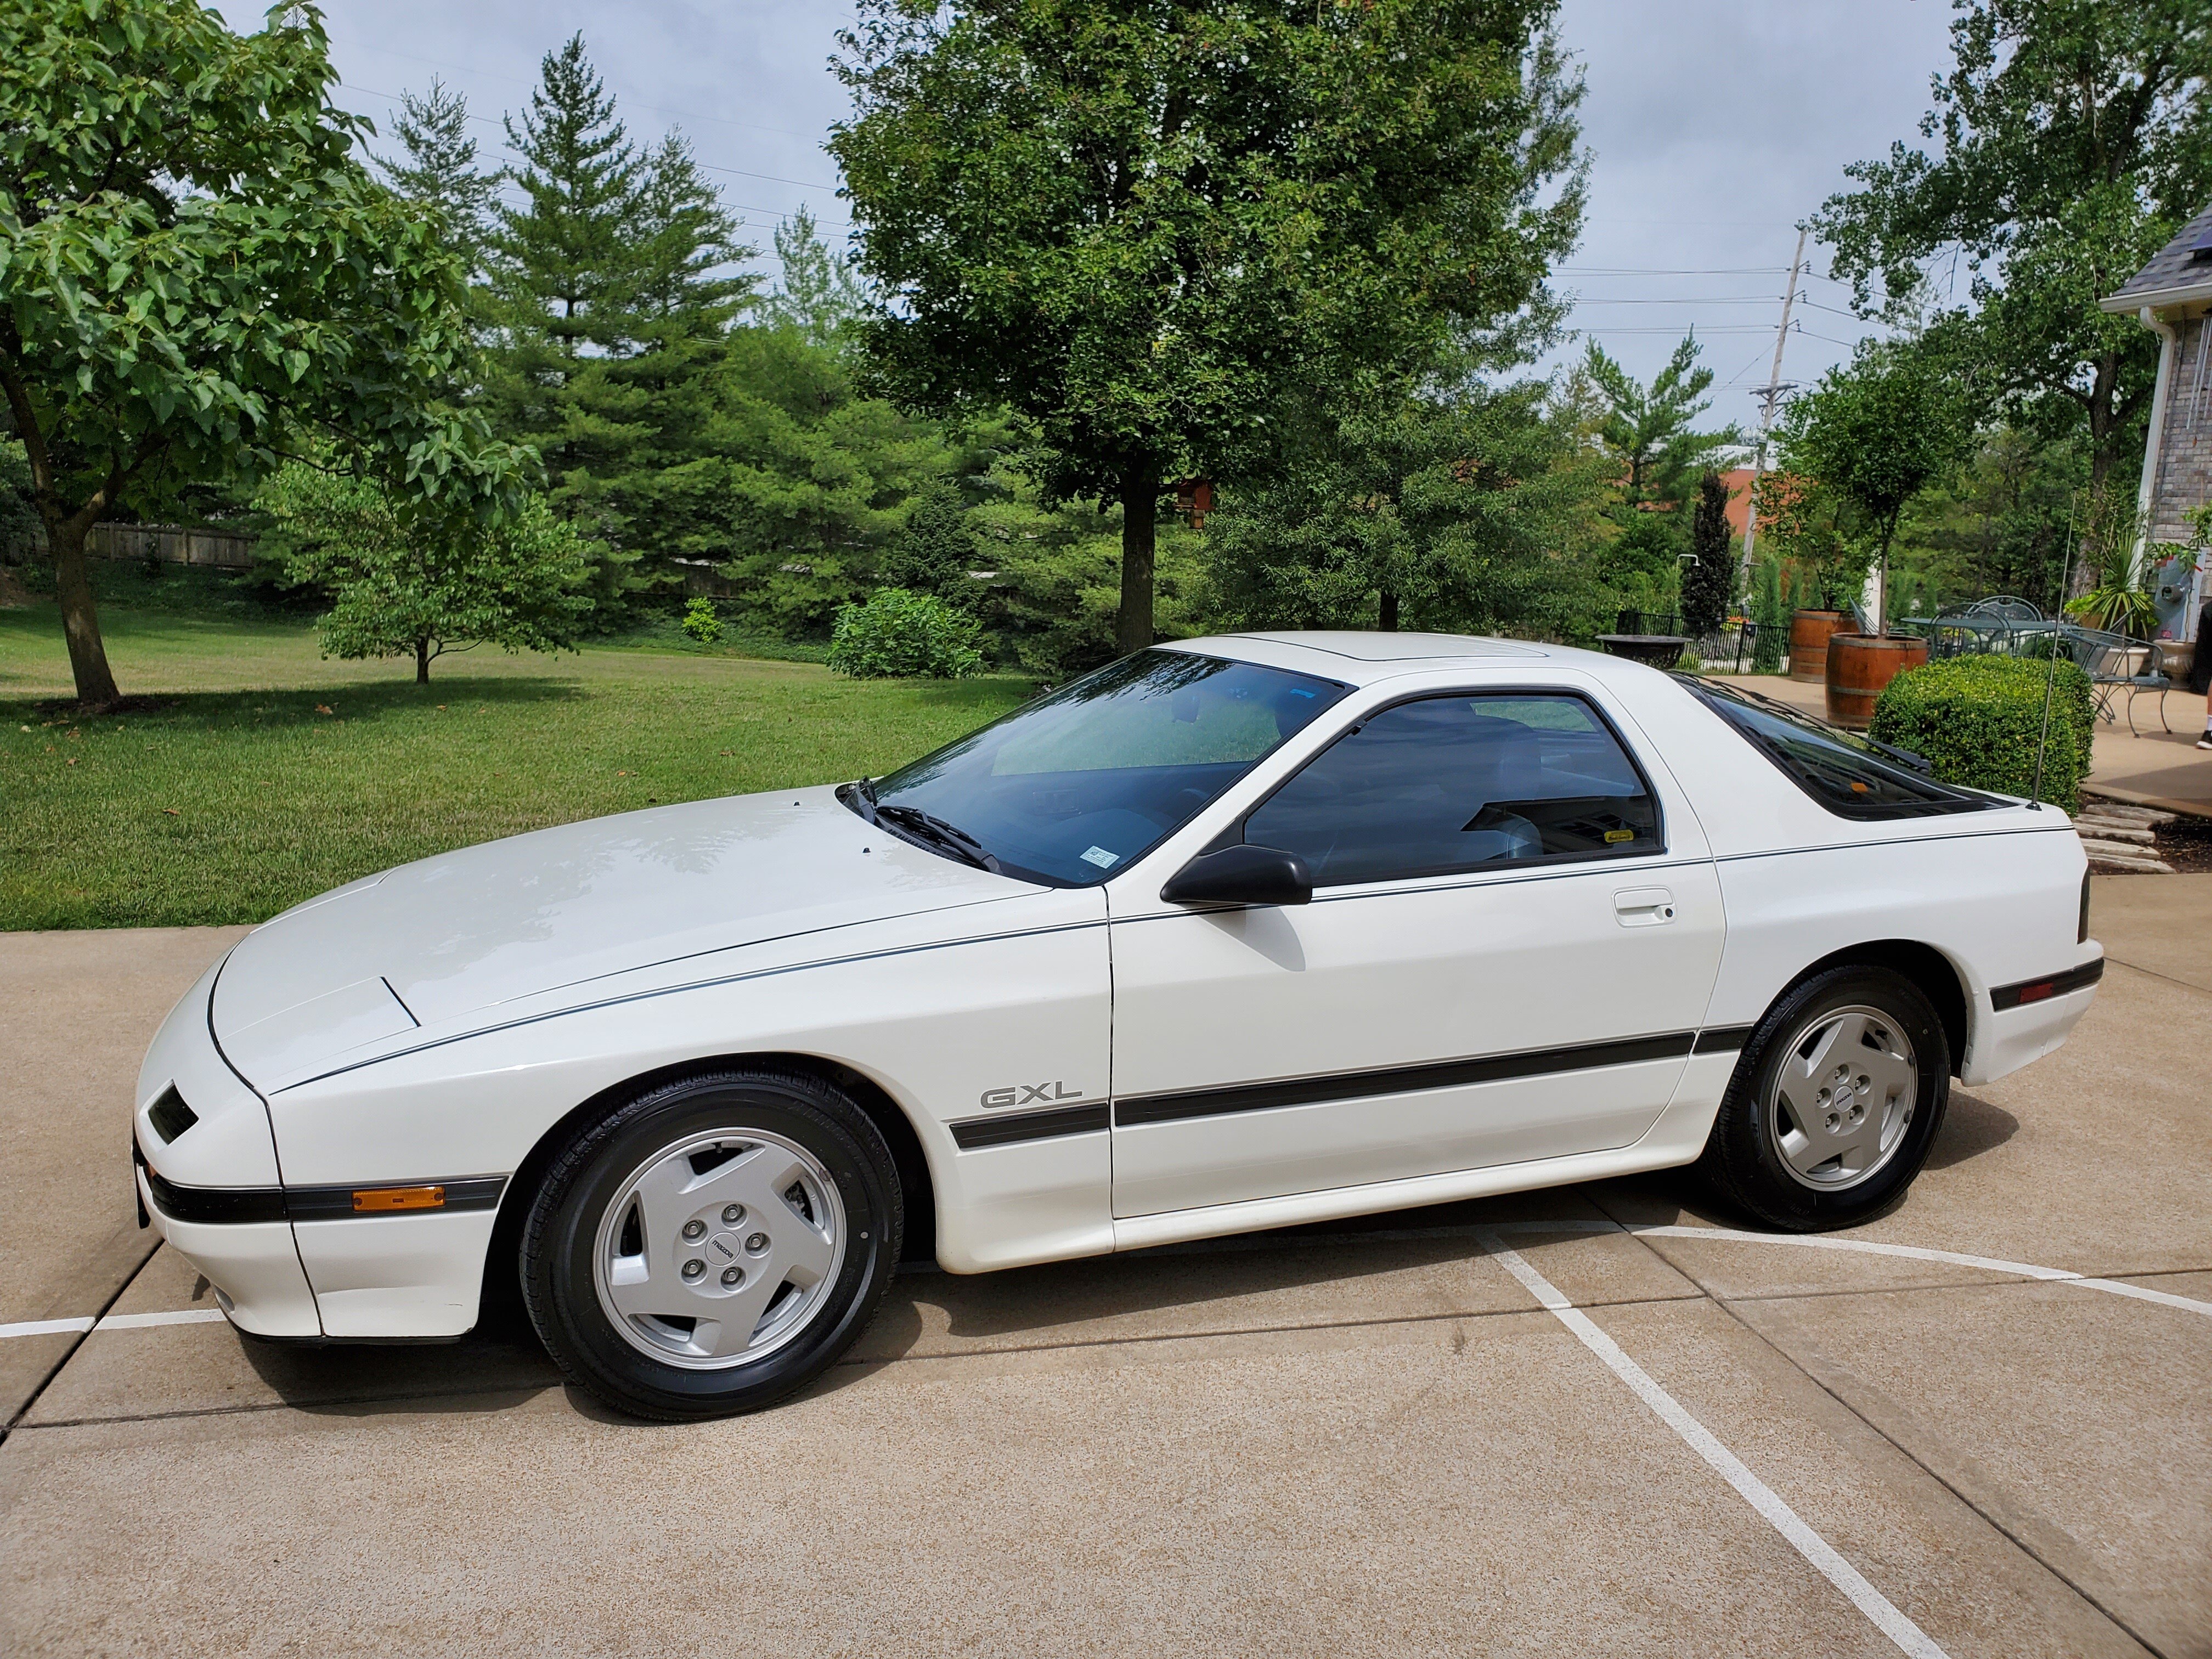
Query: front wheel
1835, 1102
714, 1244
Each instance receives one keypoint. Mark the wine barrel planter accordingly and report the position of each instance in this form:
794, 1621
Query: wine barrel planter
1859, 665
1809, 633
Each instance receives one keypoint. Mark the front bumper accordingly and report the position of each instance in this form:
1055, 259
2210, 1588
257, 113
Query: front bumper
253, 1265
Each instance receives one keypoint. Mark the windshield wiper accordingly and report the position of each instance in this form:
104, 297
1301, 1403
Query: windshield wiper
860, 796
929, 827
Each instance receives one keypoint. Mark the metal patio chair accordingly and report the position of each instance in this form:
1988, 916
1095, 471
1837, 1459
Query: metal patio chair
2104, 658
2152, 678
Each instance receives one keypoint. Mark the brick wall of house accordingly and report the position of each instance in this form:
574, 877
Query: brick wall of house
2185, 461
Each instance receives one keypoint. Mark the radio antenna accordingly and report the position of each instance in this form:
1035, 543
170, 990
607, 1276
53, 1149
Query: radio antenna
2050, 667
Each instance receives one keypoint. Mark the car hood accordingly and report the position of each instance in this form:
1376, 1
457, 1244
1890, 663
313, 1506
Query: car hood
431, 943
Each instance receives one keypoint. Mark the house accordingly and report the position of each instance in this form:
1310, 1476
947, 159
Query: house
2170, 296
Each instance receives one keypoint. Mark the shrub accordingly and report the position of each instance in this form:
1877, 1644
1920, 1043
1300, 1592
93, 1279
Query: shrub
897, 635
1978, 720
702, 622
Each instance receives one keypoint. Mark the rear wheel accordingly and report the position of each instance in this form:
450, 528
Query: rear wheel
1835, 1102
714, 1244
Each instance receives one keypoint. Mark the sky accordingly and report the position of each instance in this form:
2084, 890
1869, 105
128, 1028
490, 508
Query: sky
1714, 126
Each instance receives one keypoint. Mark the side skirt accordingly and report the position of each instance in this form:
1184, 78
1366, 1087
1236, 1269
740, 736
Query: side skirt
1676, 1138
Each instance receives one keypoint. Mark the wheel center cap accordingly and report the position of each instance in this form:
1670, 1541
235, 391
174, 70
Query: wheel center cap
725, 1246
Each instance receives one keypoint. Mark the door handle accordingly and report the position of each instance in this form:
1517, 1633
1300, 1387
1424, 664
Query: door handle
1643, 907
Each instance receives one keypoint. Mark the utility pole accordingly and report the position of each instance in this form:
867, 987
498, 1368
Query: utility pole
1770, 399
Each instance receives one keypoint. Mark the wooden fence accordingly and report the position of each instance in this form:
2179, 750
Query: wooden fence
164, 543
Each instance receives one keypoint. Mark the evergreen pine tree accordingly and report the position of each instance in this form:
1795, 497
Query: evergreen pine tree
614, 298
819, 294
1773, 619
935, 550
1706, 583
566, 255
438, 168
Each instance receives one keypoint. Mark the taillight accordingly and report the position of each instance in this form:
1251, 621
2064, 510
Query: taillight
2082, 937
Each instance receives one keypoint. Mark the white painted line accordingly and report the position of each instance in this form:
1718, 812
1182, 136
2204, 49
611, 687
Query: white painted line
141, 1322
2164, 1299
1909, 1637
44, 1326
1913, 1253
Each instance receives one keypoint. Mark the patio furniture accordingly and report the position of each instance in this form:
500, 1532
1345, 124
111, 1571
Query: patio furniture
2104, 658
2154, 677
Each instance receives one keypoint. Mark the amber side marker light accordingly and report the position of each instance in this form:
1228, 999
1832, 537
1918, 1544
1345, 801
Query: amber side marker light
400, 1197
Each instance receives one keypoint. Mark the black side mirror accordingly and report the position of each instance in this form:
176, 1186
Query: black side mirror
1242, 875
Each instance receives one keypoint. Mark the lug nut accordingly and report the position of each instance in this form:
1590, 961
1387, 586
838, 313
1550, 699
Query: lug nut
757, 1242
695, 1229
733, 1277
694, 1268
732, 1214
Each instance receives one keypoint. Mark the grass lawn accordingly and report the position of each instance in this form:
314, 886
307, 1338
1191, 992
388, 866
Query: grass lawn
267, 774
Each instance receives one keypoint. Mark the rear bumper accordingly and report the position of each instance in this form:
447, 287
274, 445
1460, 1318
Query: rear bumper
2028, 1019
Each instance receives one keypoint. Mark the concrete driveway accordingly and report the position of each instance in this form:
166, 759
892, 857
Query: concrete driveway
1527, 1426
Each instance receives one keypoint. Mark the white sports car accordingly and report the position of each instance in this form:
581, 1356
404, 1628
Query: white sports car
1231, 934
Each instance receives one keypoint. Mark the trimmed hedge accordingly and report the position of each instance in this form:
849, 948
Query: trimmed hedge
897, 635
1978, 721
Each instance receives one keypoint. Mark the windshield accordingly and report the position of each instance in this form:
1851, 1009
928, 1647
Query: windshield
1070, 788
1852, 776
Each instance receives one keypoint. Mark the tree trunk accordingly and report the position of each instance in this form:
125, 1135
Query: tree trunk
422, 662
1387, 620
1140, 500
66, 538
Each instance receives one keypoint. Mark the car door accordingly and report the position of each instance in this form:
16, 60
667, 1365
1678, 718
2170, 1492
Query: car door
1515, 929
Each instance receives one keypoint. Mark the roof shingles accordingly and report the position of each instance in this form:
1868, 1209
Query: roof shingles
2173, 266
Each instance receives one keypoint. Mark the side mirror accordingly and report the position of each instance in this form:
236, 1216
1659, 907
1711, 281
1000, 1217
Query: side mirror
1242, 875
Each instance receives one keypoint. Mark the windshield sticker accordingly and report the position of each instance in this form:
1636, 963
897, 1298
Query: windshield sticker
1102, 858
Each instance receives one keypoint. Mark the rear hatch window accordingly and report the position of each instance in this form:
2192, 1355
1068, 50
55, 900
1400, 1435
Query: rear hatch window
1852, 776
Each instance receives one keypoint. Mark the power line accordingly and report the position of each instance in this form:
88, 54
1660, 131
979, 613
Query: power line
770, 177
1684, 299
521, 81
744, 207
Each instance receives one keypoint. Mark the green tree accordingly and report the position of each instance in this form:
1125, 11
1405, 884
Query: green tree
1709, 582
614, 299
1874, 433
437, 169
420, 584
1163, 230
1454, 512
819, 293
936, 550
193, 268
1650, 431
2071, 139
1771, 619
802, 484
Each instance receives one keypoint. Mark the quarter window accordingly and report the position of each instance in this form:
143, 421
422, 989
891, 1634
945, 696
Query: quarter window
1456, 783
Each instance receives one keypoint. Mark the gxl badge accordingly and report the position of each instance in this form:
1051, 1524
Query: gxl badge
1026, 1094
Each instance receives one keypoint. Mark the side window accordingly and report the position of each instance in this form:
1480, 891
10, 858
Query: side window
1457, 782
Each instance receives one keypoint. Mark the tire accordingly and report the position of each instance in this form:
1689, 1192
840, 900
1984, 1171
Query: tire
1807, 1144
714, 1244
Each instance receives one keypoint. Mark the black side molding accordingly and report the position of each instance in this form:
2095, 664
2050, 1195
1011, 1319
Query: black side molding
1723, 1039
968, 1134
1397, 1079
215, 1205
220, 1205
2050, 985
